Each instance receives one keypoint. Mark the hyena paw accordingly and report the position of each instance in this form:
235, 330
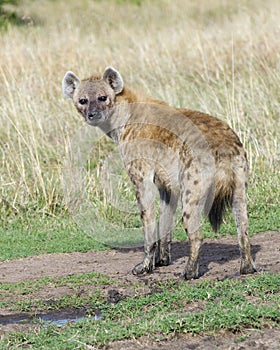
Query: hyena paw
247, 268
141, 269
162, 257
163, 261
190, 273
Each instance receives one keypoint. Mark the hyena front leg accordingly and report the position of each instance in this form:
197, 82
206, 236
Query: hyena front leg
168, 206
145, 197
239, 207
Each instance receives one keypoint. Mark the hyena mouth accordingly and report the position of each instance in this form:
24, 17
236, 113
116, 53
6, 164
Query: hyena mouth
94, 116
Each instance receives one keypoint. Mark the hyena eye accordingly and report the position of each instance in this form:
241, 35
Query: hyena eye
102, 98
83, 101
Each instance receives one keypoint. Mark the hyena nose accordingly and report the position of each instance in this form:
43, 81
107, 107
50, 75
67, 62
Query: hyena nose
94, 115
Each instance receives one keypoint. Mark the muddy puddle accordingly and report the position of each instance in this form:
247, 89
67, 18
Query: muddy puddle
57, 318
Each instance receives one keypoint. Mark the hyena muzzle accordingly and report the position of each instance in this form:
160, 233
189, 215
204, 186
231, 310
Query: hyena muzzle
186, 154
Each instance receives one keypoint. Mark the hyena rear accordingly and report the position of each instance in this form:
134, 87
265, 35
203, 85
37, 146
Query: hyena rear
186, 154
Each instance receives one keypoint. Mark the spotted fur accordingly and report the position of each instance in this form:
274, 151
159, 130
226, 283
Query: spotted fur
184, 153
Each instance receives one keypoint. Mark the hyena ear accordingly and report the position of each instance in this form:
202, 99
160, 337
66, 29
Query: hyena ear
114, 79
69, 83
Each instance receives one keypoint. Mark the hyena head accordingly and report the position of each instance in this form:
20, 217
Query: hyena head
94, 98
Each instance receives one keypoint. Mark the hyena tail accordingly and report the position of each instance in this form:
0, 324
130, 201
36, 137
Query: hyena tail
222, 201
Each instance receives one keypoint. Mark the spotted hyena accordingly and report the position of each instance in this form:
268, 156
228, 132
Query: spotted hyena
186, 154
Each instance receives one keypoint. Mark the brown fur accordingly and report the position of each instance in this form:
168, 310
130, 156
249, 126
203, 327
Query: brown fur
183, 152
223, 142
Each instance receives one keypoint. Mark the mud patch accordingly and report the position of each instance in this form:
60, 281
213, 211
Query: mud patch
268, 339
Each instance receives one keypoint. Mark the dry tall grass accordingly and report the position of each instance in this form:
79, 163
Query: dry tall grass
219, 57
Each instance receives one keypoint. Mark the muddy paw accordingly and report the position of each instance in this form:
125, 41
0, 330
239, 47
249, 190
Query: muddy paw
247, 269
189, 275
141, 269
163, 262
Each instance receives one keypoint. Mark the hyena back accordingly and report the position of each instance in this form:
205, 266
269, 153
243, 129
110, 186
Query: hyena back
186, 154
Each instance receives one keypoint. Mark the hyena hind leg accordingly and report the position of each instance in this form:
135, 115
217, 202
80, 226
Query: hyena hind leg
192, 268
191, 221
239, 207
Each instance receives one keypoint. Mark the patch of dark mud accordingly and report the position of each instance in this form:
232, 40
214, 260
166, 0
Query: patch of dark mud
114, 296
267, 339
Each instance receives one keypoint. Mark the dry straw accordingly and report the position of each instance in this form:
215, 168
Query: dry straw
219, 57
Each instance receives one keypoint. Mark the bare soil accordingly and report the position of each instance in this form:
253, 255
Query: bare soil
219, 260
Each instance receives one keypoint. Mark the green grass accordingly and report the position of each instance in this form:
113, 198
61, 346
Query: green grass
34, 234
23, 236
89, 300
8, 16
233, 305
23, 296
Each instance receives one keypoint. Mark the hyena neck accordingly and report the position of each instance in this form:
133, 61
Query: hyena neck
114, 134
118, 118
125, 104
128, 96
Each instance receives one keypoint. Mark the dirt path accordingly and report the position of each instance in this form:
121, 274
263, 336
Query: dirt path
219, 260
